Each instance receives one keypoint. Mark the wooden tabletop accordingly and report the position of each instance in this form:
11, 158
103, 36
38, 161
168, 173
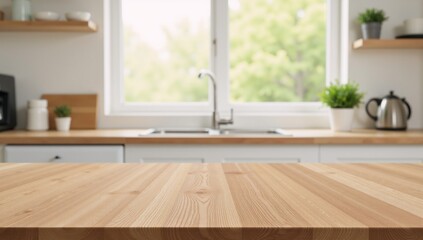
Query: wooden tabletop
211, 201
296, 136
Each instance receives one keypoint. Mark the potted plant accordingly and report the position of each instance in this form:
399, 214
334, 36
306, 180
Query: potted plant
371, 23
63, 119
342, 99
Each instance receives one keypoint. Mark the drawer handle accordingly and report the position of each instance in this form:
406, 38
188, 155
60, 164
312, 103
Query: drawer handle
57, 157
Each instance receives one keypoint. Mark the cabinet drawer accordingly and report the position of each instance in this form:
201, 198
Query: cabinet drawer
64, 154
371, 154
221, 153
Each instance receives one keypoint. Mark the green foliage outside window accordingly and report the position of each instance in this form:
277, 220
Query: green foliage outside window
277, 54
278, 51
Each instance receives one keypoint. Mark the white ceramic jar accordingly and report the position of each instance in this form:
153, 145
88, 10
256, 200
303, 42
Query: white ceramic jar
413, 26
37, 115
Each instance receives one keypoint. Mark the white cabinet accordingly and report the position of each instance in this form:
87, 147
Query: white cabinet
221, 153
193, 153
371, 153
268, 154
64, 154
164, 154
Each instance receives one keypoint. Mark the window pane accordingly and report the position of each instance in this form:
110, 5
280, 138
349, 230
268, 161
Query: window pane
166, 43
278, 50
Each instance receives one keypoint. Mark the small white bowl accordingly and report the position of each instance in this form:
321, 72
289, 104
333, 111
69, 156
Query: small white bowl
78, 16
46, 16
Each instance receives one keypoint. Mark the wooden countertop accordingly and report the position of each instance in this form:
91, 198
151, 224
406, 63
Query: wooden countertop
308, 136
211, 201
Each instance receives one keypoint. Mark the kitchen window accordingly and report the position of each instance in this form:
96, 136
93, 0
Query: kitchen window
267, 55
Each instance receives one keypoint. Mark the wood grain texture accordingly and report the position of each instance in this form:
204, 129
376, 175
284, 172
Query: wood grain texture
47, 26
211, 201
388, 43
84, 109
132, 136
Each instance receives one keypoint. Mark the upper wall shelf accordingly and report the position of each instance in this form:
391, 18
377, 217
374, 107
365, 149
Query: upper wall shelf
388, 43
47, 26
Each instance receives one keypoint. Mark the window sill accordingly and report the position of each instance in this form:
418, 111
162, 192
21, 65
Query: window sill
242, 120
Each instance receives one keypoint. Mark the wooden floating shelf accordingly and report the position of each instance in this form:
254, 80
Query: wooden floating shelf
388, 43
47, 26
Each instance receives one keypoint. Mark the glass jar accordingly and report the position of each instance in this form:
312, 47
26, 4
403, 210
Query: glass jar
37, 115
21, 10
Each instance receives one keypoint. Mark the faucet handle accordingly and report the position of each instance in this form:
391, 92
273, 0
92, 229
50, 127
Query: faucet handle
232, 116
227, 121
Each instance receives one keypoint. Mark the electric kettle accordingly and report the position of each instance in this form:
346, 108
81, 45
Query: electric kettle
391, 113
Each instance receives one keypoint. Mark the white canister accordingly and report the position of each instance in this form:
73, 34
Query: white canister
37, 115
413, 26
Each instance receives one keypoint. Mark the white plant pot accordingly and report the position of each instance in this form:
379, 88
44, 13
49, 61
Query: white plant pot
341, 119
63, 124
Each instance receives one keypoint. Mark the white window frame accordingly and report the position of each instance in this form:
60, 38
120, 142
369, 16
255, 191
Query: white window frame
114, 102
116, 90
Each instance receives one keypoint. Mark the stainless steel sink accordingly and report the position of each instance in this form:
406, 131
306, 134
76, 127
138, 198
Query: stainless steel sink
165, 131
209, 131
276, 131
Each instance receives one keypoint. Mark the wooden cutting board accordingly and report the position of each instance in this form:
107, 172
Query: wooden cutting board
84, 109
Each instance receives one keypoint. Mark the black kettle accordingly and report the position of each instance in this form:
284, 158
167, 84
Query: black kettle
391, 113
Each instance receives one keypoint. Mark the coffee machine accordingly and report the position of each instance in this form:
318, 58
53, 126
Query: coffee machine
7, 103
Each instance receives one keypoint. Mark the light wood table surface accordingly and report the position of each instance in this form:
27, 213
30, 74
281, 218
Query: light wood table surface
211, 201
296, 136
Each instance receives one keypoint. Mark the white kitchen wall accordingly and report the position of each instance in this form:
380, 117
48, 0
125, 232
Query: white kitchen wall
379, 71
74, 62
53, 62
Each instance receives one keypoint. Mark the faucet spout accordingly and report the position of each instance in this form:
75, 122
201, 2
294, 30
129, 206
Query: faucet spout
202, 74
216, 121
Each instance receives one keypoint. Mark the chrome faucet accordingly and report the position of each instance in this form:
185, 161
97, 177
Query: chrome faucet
216, 120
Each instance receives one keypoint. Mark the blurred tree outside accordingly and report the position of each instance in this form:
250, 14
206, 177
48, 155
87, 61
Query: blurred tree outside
152, 77
277, 54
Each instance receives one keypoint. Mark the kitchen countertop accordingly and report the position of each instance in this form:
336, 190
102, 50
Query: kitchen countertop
305, 136
211, 201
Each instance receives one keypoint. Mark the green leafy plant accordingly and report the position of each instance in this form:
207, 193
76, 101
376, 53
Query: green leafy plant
372, 15
342, 95
62, 111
